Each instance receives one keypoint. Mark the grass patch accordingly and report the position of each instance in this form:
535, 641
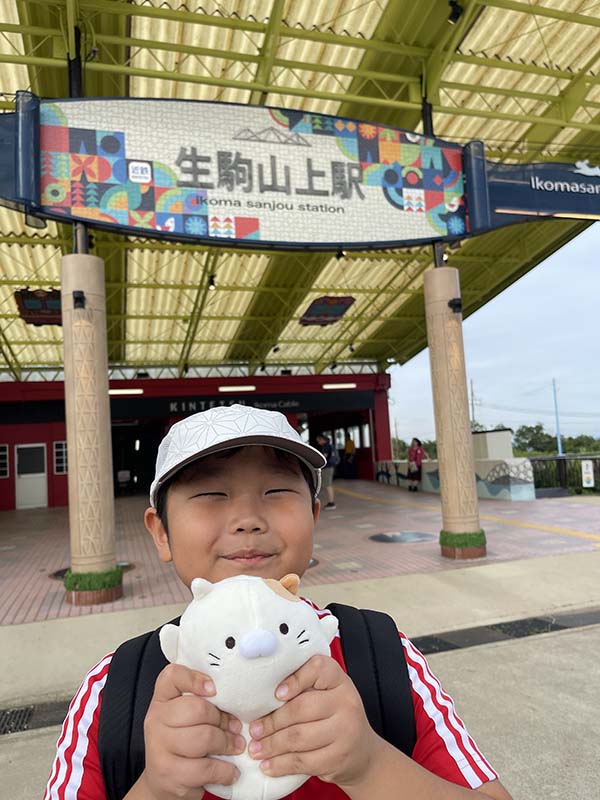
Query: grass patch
473, 539
90, 581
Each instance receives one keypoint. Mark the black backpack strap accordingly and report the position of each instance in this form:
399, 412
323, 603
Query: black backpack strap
126, 696
376, 662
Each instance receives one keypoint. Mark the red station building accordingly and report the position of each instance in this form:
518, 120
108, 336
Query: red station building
33, 454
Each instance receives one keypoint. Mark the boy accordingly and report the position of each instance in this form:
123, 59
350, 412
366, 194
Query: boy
235, 493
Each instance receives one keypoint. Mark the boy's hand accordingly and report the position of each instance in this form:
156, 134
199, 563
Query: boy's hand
180, 730
321, 730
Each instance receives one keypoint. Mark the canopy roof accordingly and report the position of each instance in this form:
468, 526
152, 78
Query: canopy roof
518, 75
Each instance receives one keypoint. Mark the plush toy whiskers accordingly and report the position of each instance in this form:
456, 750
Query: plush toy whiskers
248, 634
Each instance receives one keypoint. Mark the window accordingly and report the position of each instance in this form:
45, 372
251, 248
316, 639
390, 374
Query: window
366, 435
60, 458
31, 459
3, 461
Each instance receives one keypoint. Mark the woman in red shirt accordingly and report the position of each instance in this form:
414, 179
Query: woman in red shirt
416, 456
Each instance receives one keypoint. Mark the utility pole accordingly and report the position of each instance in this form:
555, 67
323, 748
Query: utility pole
558, 439
472, 403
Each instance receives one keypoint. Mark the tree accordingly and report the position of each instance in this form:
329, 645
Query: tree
580, 444
399, 449
534, 439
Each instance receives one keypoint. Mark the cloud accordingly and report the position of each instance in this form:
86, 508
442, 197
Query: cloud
544, 326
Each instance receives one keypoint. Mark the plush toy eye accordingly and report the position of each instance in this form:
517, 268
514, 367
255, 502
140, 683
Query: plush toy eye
284, 628
230, 643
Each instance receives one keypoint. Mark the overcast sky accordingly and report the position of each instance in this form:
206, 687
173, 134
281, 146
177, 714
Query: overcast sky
544, 326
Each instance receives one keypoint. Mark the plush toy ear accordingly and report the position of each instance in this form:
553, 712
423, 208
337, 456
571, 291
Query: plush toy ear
200, 588
290, 582
169, 641
330, 627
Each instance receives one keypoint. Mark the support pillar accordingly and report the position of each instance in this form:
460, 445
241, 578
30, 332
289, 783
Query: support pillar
91, 496
461, 536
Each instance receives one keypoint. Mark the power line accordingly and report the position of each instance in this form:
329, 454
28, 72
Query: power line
538, 411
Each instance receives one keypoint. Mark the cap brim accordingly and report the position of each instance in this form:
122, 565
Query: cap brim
312, 457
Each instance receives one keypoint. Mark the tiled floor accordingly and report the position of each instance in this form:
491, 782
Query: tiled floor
33, 544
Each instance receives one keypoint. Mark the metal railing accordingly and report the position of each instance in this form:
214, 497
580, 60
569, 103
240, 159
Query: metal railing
563, 472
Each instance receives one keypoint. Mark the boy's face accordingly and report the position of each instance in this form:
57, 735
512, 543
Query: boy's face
245, 514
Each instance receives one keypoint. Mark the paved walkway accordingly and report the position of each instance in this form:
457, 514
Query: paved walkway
34, 544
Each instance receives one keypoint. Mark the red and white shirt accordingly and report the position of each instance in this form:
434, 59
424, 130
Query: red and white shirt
443, 745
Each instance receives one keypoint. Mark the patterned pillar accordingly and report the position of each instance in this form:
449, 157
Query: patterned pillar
460, 506
91, 498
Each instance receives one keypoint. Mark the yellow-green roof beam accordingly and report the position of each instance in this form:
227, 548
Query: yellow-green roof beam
9, 356
268, 52
72, 23
200, 299
236, 23
120, 70
444, 51
348, 334
543, 11
567, 103
249, 58
281, 293
283, 271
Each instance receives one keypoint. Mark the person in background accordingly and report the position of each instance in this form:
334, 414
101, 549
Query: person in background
416, 456
331, 454
349, 458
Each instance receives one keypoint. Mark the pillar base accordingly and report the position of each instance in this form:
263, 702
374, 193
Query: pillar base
471, 544
94, 597
459, 553
93, 588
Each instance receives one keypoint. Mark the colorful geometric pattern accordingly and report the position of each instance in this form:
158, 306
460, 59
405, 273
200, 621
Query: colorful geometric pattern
86, 173
417, 174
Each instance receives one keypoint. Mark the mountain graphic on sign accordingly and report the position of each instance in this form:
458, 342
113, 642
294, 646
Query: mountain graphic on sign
271, 135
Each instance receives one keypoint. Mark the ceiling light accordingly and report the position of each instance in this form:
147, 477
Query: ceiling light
125, 391
351, 348
262, 367
338, 386
211, 284
456, 11
334, 366
276, 348
237, 388
340, 254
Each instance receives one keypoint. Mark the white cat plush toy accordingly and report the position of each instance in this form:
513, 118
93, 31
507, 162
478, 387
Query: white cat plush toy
248, 634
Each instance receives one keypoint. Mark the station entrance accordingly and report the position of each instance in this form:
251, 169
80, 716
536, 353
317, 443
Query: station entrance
33, 432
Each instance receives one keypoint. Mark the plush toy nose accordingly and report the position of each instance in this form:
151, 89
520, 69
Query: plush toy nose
258, 643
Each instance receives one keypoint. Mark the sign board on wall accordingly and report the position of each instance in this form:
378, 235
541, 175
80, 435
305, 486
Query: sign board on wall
587, 474
163, 407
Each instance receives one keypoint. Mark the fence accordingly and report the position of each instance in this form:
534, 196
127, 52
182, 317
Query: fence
550, 472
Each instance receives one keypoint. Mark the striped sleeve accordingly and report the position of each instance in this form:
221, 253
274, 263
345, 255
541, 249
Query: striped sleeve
76, 772
443, 745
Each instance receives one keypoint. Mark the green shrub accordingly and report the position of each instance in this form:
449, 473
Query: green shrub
90, 581
473, 539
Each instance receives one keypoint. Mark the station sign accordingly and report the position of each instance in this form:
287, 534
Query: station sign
134, 407
521, 191
237, 175
257, 177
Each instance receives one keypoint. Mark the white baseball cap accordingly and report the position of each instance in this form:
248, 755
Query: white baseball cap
223, 428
